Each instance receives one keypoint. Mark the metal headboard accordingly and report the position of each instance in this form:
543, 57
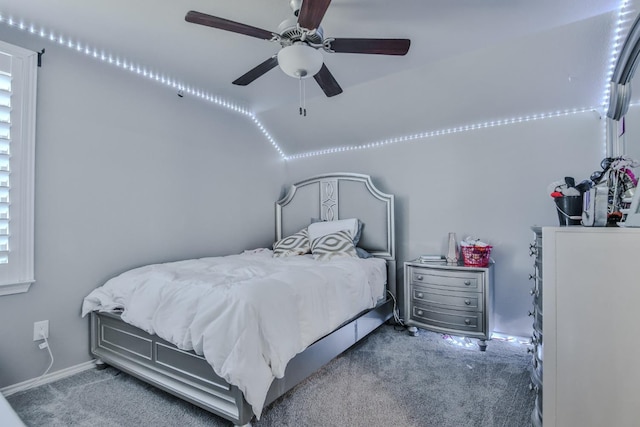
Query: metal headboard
338, 196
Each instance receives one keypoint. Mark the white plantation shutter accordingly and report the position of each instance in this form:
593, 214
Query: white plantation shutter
5, 152
17, 146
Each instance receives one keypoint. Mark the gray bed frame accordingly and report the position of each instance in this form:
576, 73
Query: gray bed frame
189, 376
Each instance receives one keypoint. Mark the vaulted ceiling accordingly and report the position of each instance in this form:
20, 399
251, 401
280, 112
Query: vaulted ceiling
470, 61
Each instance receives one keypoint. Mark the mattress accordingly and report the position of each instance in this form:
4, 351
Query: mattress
247, 314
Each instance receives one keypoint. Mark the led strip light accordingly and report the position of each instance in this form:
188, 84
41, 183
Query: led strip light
622, 23
121, 63
459, 129
141, 71
621, 28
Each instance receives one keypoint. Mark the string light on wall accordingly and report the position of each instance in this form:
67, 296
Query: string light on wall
623, 22
268, 136
431, 134
128, 65
621, 28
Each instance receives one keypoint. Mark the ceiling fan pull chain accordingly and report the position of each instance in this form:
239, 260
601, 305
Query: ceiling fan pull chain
301, 87
304, 98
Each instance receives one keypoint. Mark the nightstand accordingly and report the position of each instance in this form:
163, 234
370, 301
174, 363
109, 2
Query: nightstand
449, 298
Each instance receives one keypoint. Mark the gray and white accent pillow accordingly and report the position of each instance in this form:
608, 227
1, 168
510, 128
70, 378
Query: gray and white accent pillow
296, 244
321, 228
332, 245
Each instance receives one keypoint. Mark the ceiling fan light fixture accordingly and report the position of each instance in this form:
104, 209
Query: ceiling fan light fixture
295, 6
300, 61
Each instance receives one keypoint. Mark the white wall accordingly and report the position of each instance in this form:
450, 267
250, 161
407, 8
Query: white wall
127, 173
490, 183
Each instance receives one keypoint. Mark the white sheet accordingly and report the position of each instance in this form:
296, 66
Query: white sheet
248, 314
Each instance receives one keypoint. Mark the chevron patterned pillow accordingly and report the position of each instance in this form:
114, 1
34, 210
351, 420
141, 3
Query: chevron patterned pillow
296, 244
338, 244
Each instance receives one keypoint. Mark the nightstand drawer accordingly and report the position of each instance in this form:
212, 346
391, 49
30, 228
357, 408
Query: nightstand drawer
436, 297
449, 319
469, 281
449, 298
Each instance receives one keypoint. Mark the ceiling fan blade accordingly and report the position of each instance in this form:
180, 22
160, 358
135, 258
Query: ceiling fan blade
256, 72
373, 46
327, 82
225, 24
312, 12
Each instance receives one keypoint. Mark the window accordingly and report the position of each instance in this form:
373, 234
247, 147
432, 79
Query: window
17, 148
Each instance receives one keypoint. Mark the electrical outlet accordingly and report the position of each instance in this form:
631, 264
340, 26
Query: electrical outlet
43, 326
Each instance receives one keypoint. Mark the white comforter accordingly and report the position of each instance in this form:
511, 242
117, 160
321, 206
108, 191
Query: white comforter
248, 314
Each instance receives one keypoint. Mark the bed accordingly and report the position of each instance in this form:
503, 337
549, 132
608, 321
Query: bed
186, 371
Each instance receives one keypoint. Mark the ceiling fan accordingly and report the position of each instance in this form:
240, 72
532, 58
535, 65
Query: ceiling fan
300, 40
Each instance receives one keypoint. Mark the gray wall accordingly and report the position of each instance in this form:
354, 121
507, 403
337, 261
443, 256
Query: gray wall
490, 183
127, 173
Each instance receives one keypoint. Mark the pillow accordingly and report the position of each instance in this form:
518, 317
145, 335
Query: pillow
322, 228
363, 253
356, 239
332, 245
296, 244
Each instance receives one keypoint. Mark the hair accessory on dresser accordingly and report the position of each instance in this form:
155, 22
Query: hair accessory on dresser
617, 182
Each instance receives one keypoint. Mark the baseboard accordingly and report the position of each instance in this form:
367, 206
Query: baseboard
49, 378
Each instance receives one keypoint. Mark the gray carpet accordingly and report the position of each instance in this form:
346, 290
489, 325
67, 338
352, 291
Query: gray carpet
390, 379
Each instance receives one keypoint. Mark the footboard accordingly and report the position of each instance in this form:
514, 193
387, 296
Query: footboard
156, 361
189, 376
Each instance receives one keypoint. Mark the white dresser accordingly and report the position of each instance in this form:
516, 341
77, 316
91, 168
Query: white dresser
591, 305
537, 341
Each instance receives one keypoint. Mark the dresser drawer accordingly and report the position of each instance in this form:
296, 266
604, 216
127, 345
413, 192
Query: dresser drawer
444, 298
470, 281
537, 301
537, 264
536, 376
537, 319
449, 298
449, 319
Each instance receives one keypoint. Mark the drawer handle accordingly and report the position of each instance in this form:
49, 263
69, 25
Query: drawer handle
533, 292
467, 321
532, 277
530, 350
419, 277
467, 282
420, 295
467, 302
533, 387
531, 313
420, 312
533, 251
